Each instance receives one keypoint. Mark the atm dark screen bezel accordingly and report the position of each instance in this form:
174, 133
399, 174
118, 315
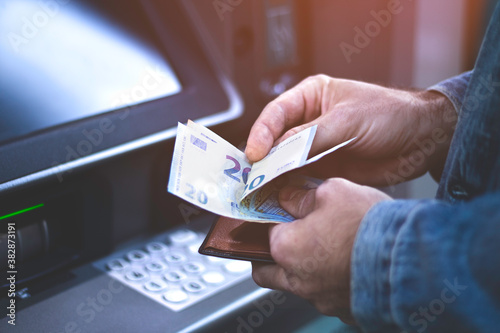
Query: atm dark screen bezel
202, 95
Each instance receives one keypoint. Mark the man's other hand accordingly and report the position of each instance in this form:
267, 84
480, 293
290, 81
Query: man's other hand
313, 253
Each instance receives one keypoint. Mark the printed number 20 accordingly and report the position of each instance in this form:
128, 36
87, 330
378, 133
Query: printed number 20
235, 169
256, 182
200, 196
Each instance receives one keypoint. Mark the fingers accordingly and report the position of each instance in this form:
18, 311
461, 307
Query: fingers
269, 276
298, 202
286, 111
313, 254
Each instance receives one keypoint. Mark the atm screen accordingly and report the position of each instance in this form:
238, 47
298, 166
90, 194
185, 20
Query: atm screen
75, 60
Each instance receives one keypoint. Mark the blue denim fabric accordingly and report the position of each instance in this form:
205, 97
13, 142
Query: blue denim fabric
454, 89
434, 265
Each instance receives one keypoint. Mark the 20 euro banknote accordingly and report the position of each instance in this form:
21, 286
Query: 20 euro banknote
210, 173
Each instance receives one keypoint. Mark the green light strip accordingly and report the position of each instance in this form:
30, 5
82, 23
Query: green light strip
20, 212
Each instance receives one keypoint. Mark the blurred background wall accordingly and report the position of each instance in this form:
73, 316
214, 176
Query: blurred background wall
447, 38
425, 41
420, 43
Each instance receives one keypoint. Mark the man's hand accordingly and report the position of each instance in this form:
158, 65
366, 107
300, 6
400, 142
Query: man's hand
313, 253
392, 127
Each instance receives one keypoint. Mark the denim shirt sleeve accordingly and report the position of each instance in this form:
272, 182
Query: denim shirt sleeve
454, 88
428, 266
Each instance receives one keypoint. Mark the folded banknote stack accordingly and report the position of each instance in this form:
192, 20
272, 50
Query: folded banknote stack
212, 174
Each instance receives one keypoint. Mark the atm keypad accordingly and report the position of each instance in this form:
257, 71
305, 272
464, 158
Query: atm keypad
156, 248
155, 286
170, 270
117, 264
137, 256
156, 266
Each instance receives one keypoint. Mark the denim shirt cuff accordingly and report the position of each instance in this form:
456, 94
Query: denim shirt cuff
371, 263
454, 88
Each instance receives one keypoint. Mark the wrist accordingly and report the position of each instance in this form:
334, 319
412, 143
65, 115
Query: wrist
439, 122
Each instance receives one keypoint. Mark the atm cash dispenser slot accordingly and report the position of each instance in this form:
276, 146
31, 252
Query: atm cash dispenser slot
41, 235
41, 238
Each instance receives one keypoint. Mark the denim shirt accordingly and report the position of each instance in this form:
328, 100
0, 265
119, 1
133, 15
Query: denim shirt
434, 265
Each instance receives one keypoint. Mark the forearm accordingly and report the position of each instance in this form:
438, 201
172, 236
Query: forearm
428, 265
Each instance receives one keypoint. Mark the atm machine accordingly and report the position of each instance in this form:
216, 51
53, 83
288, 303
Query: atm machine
90, 241
90, 95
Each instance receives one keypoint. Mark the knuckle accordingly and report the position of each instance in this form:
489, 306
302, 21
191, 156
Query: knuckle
278, 251
280, 246
311, 78
294, 284
332, 184
308, 290
325, 188
279, 112
330, 188
321, 79
274, 108
302, 287
291, 282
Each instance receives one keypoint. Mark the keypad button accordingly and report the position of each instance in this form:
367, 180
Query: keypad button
213, 278
170, 270
174, 276
135, 276
137, 256
237, 266
117, 265
182, 236
155, 286
193, 286
156, 248
156, 267
175, 296
175, 257
193, 267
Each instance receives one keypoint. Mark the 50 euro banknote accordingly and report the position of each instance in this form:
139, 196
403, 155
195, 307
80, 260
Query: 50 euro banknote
212, 174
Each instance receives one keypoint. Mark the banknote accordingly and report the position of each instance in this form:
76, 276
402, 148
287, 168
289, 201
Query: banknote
210, 173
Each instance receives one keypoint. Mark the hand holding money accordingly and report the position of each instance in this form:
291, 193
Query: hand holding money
210, 173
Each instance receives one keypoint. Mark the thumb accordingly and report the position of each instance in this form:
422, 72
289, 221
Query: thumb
297, 201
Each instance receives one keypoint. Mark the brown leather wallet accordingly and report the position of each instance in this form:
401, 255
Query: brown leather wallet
236, 239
